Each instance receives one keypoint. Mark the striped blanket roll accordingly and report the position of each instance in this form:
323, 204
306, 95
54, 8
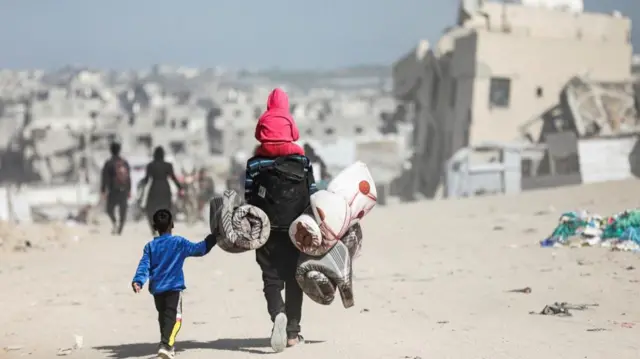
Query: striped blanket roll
320, 277
238, 227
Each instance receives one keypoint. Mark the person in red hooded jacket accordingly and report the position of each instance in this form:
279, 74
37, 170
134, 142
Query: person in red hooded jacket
276, 130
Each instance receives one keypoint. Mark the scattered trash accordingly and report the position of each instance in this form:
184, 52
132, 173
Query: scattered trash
79, 342
12, 348
498, 228
525, 290
598, 330
584, 229
630, 268
443, 322
579, 306
64, 351
627, 325
562, 309
554, 310
365, 310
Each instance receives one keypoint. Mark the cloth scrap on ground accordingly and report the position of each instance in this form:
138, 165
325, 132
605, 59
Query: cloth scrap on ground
239, 227
584, 229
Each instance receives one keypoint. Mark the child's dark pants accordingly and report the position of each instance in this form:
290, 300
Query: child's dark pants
278, 260
169, 306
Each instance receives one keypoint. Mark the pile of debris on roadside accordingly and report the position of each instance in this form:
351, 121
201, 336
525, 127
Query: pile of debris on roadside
24, 237
584, 229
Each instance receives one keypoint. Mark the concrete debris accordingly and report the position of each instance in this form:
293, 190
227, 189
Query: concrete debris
19, 238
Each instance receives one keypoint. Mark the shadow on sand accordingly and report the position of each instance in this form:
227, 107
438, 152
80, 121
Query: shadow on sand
247, 345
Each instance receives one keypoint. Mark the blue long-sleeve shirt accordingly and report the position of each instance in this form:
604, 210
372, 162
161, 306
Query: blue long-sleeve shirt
162, 261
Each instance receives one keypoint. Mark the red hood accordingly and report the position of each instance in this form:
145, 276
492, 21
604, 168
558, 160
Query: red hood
278, 99
276, 124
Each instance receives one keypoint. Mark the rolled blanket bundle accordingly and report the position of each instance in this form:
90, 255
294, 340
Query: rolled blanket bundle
319, 278
307, 236
238, 227
333, 212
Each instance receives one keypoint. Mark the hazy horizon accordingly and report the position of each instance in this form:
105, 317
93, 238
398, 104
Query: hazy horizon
284, 34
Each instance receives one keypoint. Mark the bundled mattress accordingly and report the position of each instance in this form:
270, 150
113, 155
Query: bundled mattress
238, 227
321, 277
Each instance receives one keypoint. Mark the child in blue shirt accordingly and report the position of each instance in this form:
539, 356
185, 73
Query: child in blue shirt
161, 263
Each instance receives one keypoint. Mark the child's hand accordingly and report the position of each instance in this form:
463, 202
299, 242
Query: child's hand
136, 287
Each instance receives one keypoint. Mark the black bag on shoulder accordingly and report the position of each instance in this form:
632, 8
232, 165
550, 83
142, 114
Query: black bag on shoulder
281, 190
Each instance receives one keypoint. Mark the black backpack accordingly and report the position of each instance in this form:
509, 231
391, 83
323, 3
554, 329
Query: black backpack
281, 190
121, 176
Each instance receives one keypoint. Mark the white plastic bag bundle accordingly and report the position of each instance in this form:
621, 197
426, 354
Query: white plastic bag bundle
349, 197
332, 214
355, 184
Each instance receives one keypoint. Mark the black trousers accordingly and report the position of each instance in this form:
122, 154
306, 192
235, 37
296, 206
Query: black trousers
278, 260
169, 306
117, 199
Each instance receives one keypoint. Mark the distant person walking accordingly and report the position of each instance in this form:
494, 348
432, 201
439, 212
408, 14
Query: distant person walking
159, 196
207, 188
116, 187
319, 167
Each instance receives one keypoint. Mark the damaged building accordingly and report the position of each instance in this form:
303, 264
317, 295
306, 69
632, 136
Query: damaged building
512, 72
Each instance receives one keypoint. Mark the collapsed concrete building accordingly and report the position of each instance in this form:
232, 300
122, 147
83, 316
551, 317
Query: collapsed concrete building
56, 126
514, 72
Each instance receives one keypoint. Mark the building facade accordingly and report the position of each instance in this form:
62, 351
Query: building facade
501, 67
514, 63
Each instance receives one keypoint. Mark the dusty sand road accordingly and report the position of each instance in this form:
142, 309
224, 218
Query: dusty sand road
432, 282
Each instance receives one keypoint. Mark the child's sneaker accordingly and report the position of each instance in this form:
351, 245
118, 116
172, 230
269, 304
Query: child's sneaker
166, 353
279, 333
298, 339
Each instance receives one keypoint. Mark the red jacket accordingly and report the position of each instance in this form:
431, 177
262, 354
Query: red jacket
276, 130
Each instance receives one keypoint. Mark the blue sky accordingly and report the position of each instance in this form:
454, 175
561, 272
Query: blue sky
241, 33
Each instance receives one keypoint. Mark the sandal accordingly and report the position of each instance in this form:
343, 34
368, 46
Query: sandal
298, 339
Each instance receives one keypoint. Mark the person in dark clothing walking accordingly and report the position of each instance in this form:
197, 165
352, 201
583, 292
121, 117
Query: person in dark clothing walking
206, 188
162, 261
281, 187
316, 160
116, 187
159, 195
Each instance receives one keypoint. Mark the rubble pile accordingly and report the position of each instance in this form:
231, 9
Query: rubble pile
21, 238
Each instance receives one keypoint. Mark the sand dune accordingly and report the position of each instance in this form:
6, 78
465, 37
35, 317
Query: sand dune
432, 282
